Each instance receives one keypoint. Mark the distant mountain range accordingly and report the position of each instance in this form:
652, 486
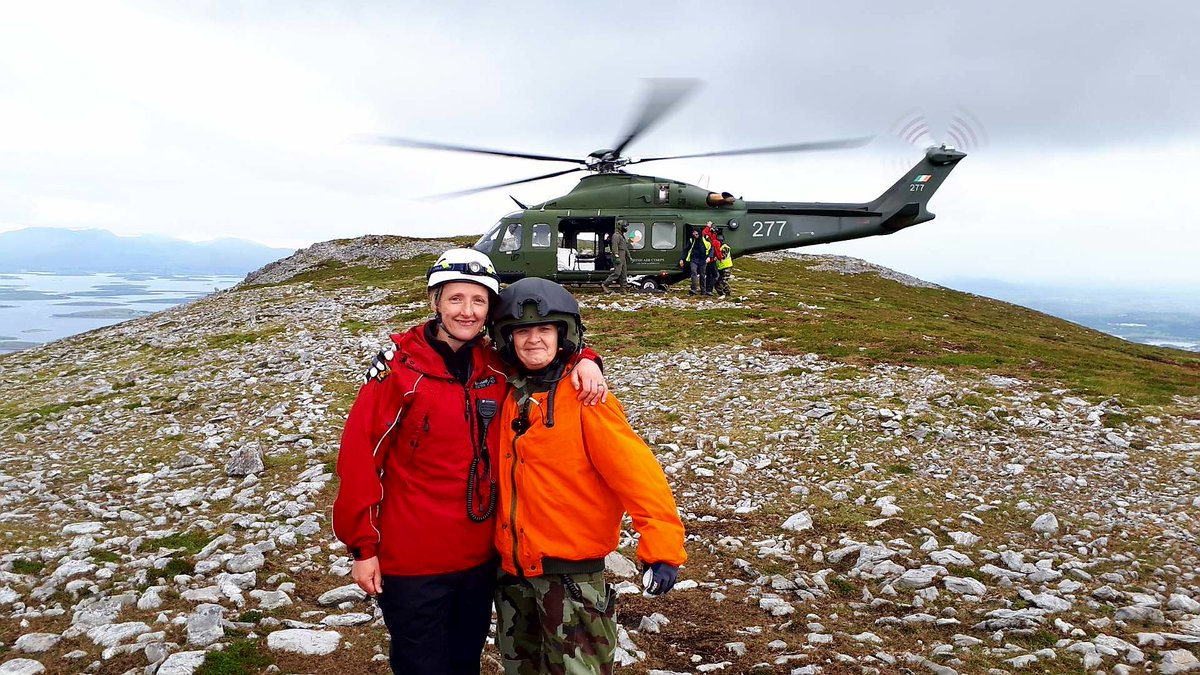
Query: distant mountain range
61, 251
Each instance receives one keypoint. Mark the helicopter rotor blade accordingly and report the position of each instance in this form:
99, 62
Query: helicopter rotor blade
471, 191
664, 94
427, 145
792, 147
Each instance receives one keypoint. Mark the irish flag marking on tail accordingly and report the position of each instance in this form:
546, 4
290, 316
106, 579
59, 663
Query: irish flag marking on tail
923, 178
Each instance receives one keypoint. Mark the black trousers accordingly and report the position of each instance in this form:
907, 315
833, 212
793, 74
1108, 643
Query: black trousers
710, 277
438, 623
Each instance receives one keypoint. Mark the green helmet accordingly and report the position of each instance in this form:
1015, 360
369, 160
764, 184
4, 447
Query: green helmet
532, 301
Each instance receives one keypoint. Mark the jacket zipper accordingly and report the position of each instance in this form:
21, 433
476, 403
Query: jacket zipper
512, 515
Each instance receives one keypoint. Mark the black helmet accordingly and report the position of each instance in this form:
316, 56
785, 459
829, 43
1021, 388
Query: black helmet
532, 301
622, 225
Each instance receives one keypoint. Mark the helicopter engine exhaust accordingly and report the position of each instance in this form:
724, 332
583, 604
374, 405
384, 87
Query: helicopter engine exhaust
719, 199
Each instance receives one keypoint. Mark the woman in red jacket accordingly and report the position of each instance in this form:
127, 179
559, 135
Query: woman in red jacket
417, 492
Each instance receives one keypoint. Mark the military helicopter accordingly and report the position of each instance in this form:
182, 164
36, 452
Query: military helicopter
565, 239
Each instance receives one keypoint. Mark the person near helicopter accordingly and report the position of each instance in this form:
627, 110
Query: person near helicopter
568, 474
724, 266
710, 270
619, 247
696, 256
417, 439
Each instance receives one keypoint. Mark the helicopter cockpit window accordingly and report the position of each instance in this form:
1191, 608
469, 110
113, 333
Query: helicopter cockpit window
637, 235
662, 235
541, 235
512, 238
488, 240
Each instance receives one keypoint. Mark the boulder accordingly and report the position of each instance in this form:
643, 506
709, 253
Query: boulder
304, 641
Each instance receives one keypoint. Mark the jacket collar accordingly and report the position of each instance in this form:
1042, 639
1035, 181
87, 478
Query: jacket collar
417, 353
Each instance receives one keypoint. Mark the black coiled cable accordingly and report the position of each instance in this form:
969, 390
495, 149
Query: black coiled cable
486, 408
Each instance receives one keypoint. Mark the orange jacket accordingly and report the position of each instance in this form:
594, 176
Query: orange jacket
564, 489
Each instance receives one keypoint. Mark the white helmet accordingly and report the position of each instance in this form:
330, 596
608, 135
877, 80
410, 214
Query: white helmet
463, 264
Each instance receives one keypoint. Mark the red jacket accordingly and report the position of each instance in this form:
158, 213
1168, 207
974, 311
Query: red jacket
717, 253
405, 456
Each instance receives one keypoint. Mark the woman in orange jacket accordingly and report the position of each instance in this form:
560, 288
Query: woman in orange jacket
567, 474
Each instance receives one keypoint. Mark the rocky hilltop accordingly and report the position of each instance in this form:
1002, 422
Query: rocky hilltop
877, 476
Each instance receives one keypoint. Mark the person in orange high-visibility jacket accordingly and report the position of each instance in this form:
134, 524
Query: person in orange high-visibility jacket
567, 474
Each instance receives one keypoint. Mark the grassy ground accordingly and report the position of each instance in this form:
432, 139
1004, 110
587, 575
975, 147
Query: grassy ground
861, 319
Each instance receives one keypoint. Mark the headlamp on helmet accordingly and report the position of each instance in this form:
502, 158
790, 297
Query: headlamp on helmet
463, 264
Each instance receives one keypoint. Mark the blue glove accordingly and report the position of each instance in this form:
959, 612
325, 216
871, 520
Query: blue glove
659, 578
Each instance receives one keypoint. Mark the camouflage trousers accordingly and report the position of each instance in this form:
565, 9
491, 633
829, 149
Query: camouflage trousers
723, 281
560, 624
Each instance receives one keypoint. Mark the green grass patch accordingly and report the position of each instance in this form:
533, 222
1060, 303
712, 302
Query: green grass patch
1039, 639
1114, 420
843, 373
191, 541
173, 567
102, 556
843, 588
252, 616
286, 459
961, 571
355, 326
898, 469
242, 657
28, 566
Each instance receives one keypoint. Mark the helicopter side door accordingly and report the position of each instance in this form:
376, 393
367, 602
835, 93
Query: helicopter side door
525, 249
540, 247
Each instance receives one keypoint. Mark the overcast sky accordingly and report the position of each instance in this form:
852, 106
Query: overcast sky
223, 119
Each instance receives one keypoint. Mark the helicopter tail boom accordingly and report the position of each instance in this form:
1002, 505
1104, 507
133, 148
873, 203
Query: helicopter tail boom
781, 225
903, 204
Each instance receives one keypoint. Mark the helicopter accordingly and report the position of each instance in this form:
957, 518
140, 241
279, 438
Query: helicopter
566, 239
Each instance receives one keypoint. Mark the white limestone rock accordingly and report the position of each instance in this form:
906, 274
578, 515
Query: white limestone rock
619, 565
351, 619
304, 641
270, 599
36, 643
1140, 614
181, 663
798, 522
246, 562
204, 625
245, 461
1178, 661
336, 596
918, 578
964, 586
21, 667
1047, 523
1183, 603
114, 634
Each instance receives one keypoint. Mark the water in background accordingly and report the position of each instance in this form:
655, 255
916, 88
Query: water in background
1161, 315
37, 308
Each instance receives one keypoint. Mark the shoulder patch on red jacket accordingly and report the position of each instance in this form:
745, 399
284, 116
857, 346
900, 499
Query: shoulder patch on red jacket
380, 365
